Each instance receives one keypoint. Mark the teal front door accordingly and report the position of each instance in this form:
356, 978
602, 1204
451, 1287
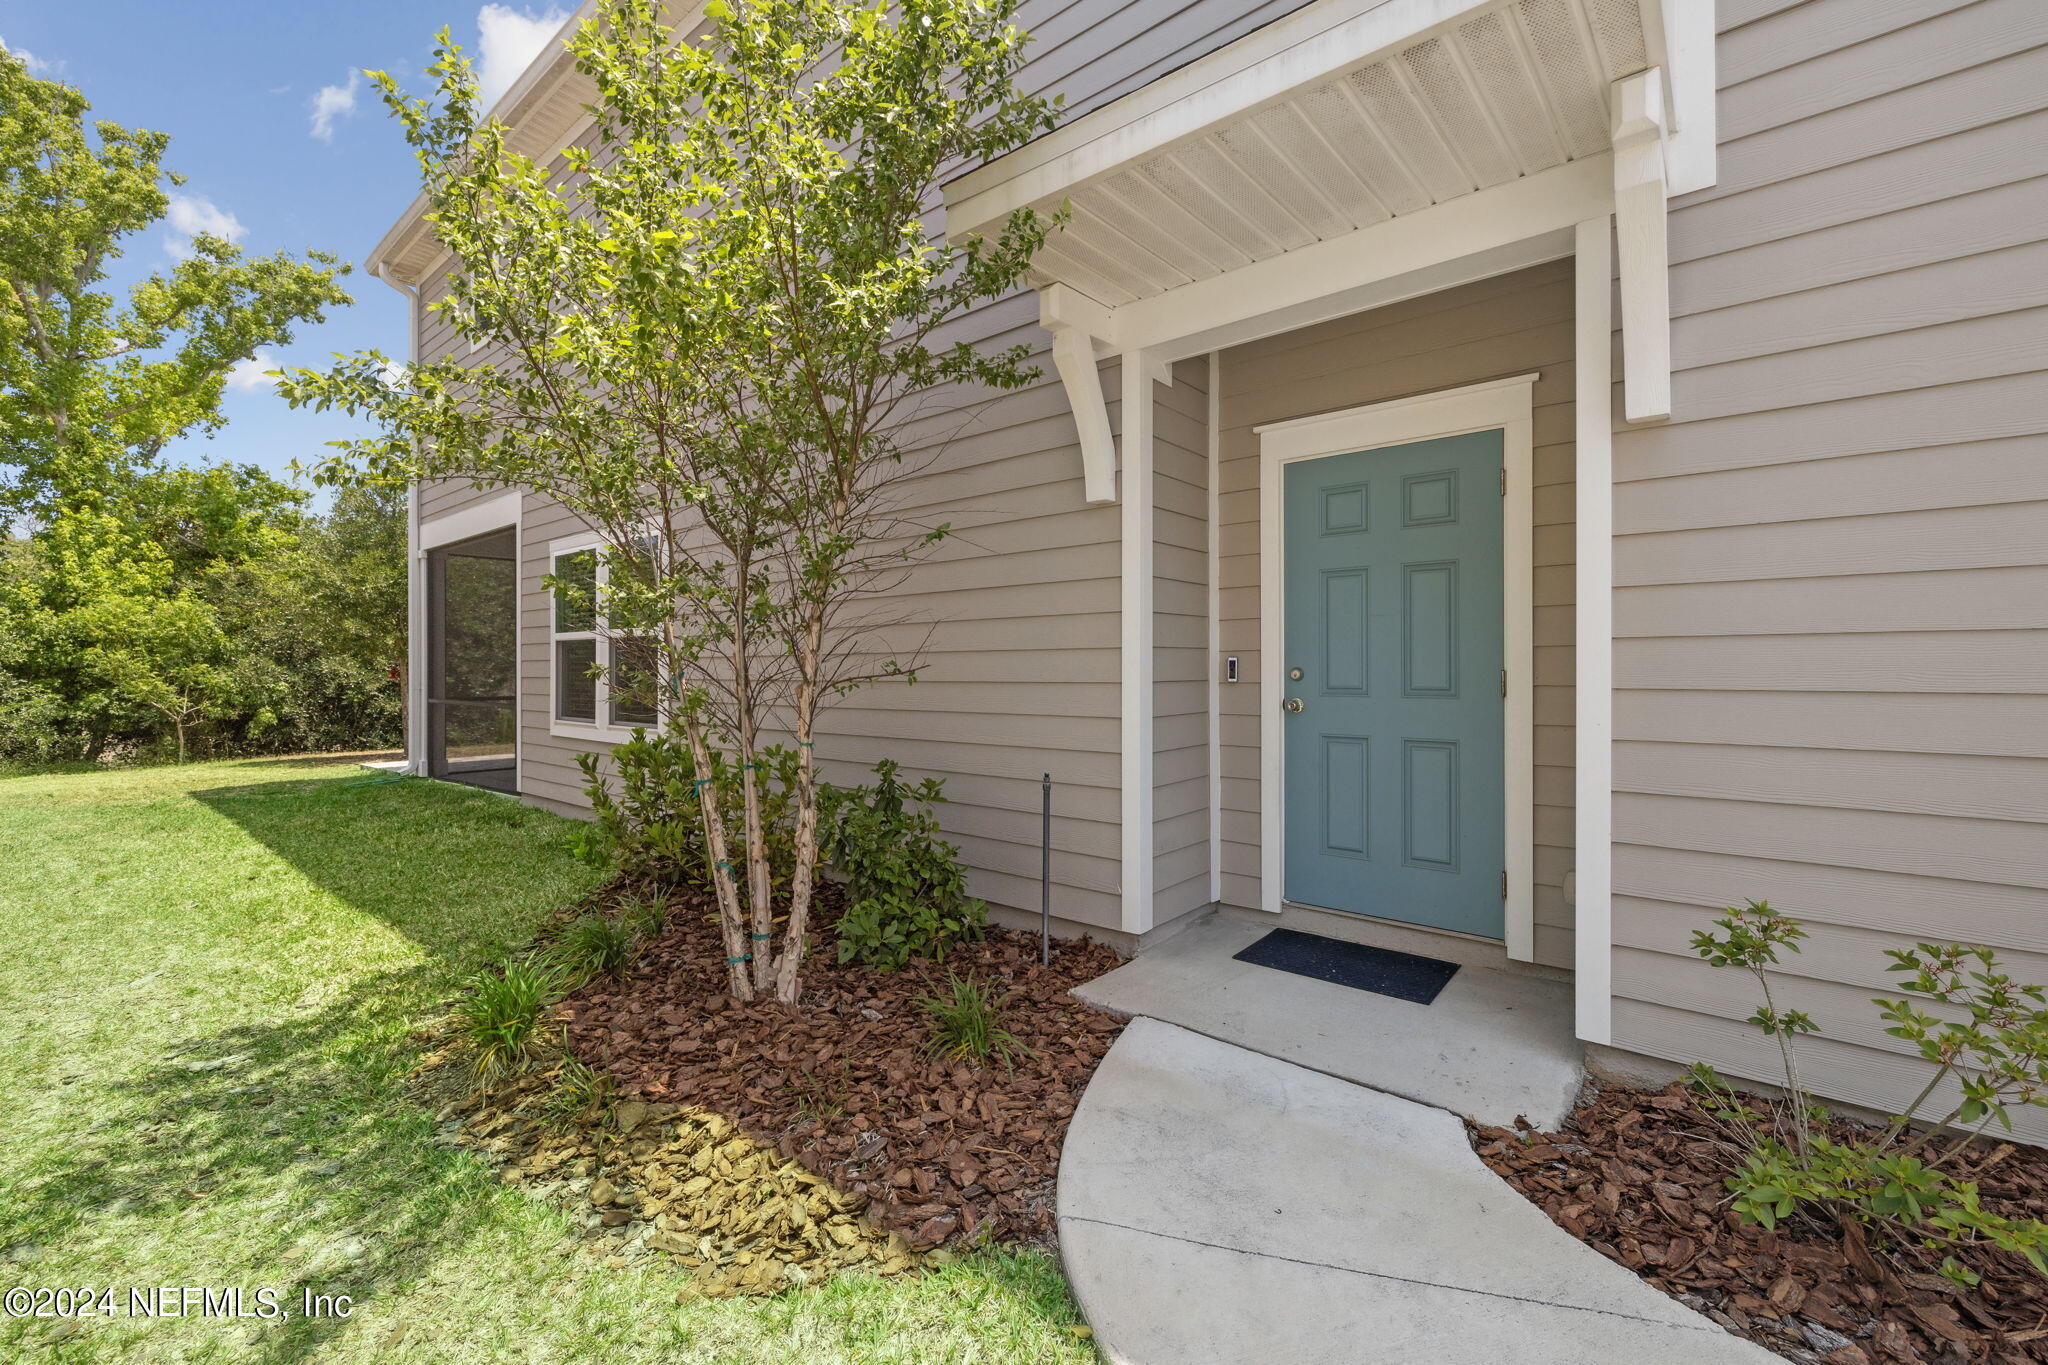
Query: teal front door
1391, 669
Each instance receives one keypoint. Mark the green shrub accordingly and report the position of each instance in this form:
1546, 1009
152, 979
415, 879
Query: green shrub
648, 821
906, 893
503, 1011
967, 1023
1988, 1053
596, 944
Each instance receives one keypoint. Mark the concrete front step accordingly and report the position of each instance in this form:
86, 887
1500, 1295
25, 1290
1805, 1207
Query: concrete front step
1492, 1047
1220, 1206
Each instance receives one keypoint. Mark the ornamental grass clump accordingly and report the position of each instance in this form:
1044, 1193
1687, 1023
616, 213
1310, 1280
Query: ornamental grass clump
1988, 1050
967, 1024
596, 944
503, 1012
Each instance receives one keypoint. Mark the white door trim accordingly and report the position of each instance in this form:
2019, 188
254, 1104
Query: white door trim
1503, 404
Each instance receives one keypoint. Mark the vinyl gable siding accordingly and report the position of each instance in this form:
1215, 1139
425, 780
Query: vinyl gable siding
1831, 603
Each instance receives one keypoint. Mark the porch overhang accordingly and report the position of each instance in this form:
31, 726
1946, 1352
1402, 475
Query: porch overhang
1352, 154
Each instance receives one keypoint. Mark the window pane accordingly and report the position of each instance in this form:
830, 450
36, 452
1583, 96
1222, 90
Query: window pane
576, 679
633, 681
576, 592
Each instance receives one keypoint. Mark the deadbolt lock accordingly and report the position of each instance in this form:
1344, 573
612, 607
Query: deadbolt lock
1294, 673
1295, 706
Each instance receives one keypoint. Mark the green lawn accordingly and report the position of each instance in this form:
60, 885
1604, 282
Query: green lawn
209, 986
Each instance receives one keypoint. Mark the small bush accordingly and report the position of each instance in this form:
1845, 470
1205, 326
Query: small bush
596, 944
648, 821
590, 845
1989, 1055
967, 1023
503, 1010
906, 893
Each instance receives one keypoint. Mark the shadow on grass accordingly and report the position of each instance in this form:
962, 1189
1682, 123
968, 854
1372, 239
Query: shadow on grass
283, 1155
465, 874
296, 1156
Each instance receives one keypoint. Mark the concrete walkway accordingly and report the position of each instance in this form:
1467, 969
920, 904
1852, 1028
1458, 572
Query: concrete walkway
1220, 1206
1491, 1047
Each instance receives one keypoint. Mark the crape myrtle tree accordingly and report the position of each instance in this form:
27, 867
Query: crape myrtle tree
705, 339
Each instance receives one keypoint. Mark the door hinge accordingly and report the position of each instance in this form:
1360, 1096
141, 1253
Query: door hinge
1503, 884
1503, 684
1503, 480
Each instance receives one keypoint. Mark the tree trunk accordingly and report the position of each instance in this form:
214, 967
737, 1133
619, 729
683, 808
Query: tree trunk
760, 884
730, 920
788, 981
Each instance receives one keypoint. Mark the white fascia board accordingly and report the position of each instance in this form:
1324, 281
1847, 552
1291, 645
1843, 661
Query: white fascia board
492, 514
1312, 44
1520, 223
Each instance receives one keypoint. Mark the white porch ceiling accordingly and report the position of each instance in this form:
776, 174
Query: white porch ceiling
1493, 94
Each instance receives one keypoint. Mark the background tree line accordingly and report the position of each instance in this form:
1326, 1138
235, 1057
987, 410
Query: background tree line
149, 609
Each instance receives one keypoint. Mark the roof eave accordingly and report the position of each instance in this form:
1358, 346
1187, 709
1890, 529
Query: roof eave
388, 260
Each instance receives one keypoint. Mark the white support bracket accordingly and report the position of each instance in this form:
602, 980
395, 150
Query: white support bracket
1643, 250
1079, 325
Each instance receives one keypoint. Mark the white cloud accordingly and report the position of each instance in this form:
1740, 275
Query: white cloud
192, 214
333, 102
393, 374
36, 65
507, 42
248, 374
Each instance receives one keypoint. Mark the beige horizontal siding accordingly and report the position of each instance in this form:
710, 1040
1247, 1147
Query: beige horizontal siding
1513, 324
1181, 657
1831, 607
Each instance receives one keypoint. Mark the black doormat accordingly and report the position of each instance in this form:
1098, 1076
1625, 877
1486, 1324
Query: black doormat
1380, 970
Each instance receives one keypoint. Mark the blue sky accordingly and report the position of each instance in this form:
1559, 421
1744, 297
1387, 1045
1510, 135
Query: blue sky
282, 145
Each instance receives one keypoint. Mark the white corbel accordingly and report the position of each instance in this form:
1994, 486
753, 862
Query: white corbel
1642, 250
1079, 325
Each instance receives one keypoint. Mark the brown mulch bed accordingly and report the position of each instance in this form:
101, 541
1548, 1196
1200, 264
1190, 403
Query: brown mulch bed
1638, 1175
845, 1082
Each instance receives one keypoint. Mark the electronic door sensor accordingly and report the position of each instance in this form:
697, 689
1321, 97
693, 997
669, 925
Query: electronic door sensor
1230, 668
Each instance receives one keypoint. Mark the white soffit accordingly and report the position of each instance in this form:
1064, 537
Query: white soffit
1343, 116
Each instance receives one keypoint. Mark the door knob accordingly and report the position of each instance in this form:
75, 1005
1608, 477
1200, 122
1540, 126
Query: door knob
1295, 706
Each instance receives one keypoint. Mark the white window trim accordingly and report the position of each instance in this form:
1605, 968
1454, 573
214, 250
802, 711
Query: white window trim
602, 730
1501, 404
